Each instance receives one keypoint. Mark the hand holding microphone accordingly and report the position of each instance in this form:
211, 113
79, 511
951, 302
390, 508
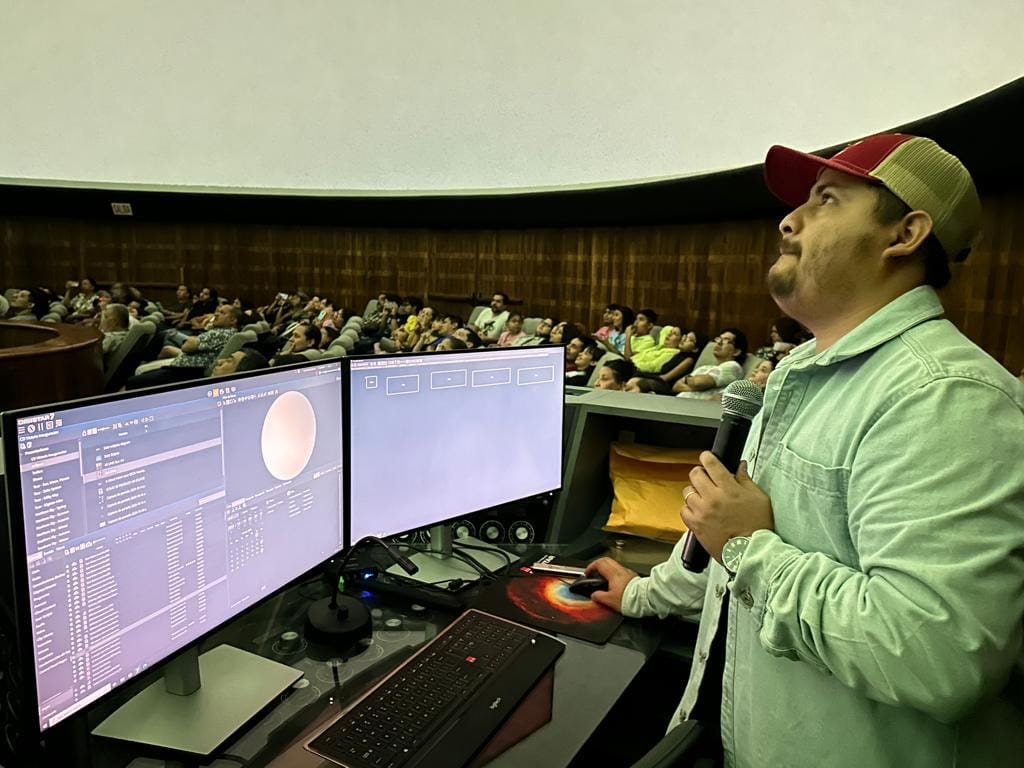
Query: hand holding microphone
722, 500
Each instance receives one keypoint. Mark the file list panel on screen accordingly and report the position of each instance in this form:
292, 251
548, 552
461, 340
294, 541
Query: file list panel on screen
152, 519
439, 436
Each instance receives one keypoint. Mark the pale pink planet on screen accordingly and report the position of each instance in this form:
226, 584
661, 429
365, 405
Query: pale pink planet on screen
289, 435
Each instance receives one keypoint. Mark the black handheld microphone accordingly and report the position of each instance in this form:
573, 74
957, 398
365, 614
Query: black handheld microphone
741, 401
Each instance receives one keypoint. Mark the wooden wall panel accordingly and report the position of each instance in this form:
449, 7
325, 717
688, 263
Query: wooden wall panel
701, 276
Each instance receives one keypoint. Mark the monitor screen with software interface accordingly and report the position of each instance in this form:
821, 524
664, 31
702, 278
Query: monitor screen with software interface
153, 518
438, 436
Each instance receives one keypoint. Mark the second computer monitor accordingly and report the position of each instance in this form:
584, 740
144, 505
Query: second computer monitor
438, 436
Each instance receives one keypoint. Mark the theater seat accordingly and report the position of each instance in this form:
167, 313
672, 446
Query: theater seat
530, 325
127, 355
475, 314
236, 341
597, 368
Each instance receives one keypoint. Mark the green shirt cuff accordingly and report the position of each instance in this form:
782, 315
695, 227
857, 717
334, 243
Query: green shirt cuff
765, 558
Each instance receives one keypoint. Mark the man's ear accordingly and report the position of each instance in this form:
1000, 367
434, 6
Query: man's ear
908, 234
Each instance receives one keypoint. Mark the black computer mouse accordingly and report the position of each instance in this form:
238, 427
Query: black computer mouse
587, 585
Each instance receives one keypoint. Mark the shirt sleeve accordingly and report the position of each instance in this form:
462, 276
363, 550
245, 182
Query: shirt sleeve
726, 373
931, 618
669, 590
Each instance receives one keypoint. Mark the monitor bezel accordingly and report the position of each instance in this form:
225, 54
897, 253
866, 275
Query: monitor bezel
347, 410
19, 556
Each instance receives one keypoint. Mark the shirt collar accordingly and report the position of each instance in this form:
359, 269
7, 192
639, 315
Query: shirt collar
898, 316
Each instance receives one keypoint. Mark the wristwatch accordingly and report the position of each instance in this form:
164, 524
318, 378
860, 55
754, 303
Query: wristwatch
732, 553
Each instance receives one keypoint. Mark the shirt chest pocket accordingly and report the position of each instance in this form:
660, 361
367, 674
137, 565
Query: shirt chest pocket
810, 504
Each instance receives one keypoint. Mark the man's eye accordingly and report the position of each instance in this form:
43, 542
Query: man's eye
827, 197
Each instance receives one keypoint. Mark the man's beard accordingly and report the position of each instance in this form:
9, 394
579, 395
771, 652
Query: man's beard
781, 285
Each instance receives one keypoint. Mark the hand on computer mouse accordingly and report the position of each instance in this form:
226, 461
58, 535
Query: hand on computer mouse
617, 576
587, 585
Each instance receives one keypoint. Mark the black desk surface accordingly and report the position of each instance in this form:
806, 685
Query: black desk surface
588, 680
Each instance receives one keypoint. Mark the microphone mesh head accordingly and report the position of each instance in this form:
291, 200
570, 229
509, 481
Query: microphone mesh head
742, 398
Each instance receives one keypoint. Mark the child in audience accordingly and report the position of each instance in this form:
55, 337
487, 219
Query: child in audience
638, 334
622, 318
584, 363
607, 320
513, 330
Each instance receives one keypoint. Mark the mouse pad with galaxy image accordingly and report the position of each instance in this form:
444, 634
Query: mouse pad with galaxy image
545, 602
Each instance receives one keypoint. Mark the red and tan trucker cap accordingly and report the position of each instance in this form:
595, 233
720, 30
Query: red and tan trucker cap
915, 169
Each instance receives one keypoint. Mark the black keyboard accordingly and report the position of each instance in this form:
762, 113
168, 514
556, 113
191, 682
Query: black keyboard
442, 705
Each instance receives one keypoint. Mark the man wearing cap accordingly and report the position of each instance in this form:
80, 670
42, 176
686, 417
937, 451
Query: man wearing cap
873, 557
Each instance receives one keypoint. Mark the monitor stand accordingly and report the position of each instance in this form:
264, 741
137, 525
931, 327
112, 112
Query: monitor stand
438, 564
201, 700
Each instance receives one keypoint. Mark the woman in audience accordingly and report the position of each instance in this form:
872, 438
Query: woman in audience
615, 373
784, 335
685, 358
648, 385
622, 318
468, 337
584, 363
430, 339
451, 344
81, 305
655, 358
759, 373
513, 330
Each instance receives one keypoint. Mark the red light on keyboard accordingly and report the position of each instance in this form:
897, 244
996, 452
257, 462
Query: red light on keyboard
471, 659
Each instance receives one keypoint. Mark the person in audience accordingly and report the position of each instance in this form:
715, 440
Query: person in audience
196, 353
513, 330
176, 310
305, 336
99, 303
708, 381
403, 337
615, 373
451, 343
329, 334
114, 323
638, 333
607, 322
491, 321
784, 335
540, 337
684, 359
22, 309
468, 337
583, 365
573, 348
759, 373
654, 358
81, 304
622, 318
244, 359
427, 340
648, 385
288, 311
449, 325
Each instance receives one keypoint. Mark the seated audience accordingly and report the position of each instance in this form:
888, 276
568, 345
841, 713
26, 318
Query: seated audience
759, 374
513, 330
243, 360
114, 327
648, 385
451, 344
607, 322
638, 334
196, 353
540, 337
81, 304
23, 309
622, 318
784, 335
491, 322
584, 362
656, 358
468, 337
708, 381
615, 373
305, 336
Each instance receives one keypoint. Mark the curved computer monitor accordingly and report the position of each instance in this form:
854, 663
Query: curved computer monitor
143, 521
442, 435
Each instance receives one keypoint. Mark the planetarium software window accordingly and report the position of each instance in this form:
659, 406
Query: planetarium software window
153, 519
440, 436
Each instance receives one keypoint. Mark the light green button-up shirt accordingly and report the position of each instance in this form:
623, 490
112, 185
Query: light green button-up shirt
880, 623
